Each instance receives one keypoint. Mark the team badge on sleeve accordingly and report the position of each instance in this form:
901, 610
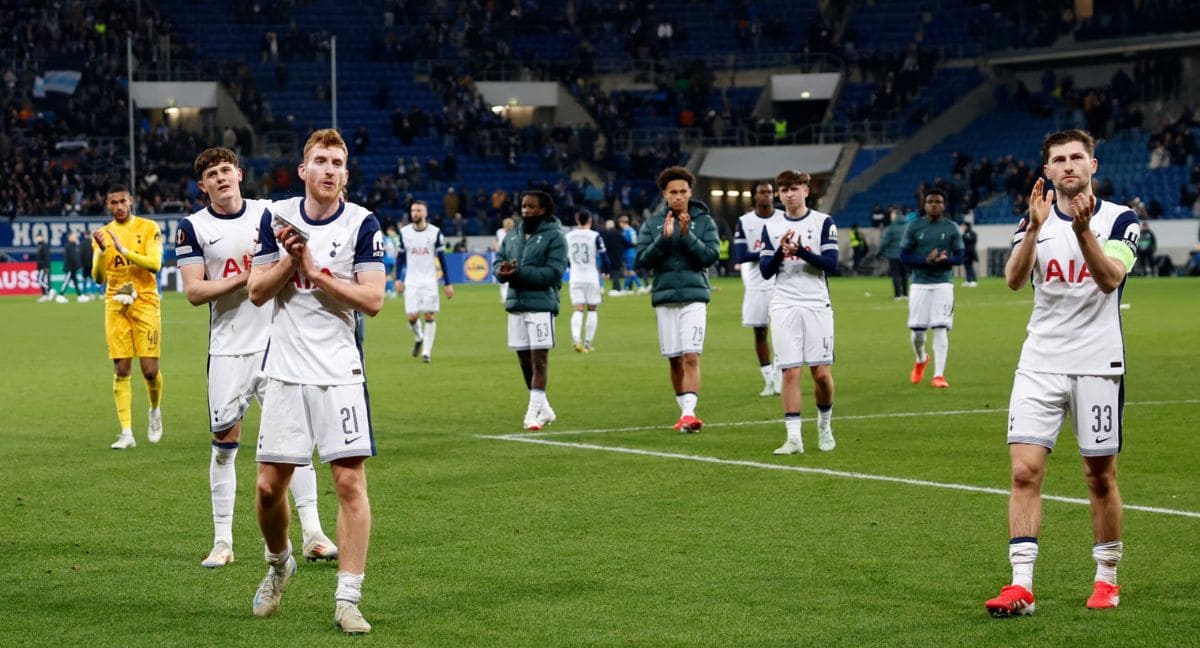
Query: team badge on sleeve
377, 244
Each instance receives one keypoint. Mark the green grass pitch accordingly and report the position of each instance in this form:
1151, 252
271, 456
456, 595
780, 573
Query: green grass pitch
613, 529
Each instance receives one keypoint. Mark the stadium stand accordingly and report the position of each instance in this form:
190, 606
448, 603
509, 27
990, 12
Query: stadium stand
657, 81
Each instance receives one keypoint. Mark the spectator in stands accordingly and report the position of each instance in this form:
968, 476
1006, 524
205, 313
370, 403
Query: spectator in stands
1158, 154
1147, 247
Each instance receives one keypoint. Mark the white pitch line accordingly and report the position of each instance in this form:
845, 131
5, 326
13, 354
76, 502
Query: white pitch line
817, 471
858, 417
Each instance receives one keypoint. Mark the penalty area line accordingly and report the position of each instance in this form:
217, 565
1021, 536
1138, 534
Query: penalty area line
816, 471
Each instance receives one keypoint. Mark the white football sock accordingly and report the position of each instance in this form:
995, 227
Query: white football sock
349, 587
768, 374
222, 480
416, 330
277, 561
941, 346
1107, 555
687, 403
304, 491
430, 333
1022, 556
918, 345
537, 398
576, 326
824, 415
593, 318
791, 423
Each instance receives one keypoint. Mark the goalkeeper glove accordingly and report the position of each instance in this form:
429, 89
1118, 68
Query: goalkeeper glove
125, 294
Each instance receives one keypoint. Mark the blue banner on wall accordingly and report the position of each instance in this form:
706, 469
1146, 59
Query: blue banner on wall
17, 237
469, 267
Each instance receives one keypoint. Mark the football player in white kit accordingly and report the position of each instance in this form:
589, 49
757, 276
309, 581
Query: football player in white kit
756, 301
1076, 250
585, 249
213, 248
319, 261
800, 250
421, 243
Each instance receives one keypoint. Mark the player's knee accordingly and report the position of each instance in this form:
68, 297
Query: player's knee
270, 489
1101, 479
1027, 475
350, 483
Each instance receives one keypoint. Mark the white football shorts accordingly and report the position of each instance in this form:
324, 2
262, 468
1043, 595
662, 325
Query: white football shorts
931, 306
756, 308
296, 418
421, 298
585, 293
802, 335
232, 382
1040, 402
681, 328
528, 331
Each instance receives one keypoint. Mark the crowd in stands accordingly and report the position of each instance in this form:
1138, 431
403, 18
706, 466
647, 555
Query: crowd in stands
61, 148
71, 178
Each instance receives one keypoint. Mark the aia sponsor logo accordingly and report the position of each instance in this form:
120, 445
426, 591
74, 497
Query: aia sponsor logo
1068, 272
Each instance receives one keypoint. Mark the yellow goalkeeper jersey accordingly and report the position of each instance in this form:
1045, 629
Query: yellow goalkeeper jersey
142, 240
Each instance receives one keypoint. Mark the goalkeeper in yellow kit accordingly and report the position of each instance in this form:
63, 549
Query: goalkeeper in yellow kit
128, 254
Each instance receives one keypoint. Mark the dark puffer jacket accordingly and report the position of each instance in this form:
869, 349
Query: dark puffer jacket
541, 261
679, 263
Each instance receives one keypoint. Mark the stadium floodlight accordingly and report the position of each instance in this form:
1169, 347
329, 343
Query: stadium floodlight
716, 193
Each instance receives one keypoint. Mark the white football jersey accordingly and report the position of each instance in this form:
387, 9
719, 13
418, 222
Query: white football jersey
799, 282
226, 245
312, 334
1075, 328
584, 247
421, 249
749, 234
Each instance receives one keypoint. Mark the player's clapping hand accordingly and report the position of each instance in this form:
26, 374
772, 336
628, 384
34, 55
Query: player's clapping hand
788, 245
507, 270
685, 220
98, 236
669, 224
1040, 202
1082, 208
297, 247
116, 242
936, 255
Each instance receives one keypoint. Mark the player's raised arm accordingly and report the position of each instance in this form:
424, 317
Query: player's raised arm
1024, 253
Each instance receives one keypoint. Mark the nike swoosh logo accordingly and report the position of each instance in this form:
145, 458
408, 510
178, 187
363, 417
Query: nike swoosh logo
214, 241
1102, 440
1045, 239
352, 440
